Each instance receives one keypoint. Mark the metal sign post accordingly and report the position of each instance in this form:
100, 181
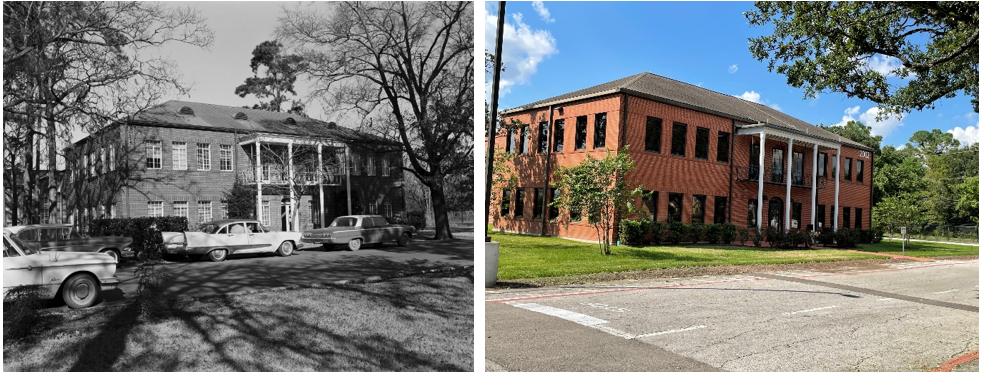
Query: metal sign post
903, 241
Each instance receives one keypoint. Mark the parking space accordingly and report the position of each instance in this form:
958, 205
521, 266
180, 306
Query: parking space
814, 322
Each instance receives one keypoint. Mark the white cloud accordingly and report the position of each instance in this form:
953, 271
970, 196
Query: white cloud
522, 49
870, 118
886, 65
967, 136
733, 68
752, 96
542, 11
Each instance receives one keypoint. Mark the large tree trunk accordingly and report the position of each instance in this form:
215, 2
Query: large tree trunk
442, 230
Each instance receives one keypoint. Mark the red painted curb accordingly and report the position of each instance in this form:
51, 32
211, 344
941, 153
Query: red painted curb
952, 363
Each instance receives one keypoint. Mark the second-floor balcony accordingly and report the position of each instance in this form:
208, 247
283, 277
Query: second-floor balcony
279, 174
777, 176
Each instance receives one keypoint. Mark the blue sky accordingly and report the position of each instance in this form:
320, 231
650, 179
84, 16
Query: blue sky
552, 48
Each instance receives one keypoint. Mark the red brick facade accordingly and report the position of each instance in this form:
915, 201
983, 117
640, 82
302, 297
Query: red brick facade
666, 173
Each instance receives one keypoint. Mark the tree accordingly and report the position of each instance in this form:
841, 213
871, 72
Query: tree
858, 132
281, 72
598, 186
407, 69
969, 202
241, 200
895, 212
898, 172
830, 46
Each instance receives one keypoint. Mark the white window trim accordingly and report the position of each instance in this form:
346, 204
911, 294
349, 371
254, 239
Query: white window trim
179, 205
153, 207
155, 148
179, 156
225, 150
204, 207
204, 164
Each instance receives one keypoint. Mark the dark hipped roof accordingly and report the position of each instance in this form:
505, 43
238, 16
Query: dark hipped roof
666, 90
243, 120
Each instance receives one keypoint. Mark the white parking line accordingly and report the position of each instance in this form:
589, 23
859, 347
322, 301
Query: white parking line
670, 331
808, 310
562, 313
945, 292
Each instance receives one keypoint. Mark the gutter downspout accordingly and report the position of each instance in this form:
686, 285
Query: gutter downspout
731, 167
621, 145
546, 174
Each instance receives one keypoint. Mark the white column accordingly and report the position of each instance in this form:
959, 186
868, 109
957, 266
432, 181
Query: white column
837, 189
789, 182
758, 212
813, 190
348, 179
291, 215
259, 184
321, 189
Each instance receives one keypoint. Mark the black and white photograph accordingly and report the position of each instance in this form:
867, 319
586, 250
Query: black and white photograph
238, 186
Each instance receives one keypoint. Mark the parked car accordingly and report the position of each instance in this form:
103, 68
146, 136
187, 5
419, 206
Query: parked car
63, 237
221, 238
354, 230
78, 277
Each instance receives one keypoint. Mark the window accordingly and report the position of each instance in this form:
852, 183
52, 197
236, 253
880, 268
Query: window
180, 209
511, 141
204, 157
833, 214
703, 138
356, 167
860, 176
821, 164
720, 209
554, 211
112, 159
777, 165
204, 211
674, 210
372, 208
796, 215
518, 210
847, 169
154, 154
697, 215
679, 146
753, 161
225, 157
857, 217
102, 161
386, 167
581, 133
524, 139
179, 156
752, 212
650, 203
821, 216
222, 209
370, 165
504, 204
558, 135
601, 125
92, 164
387, 209
155, 208
538, 202
724, 139
266, 213
542, 139
847, 218
575, 213
797, 168
654, 133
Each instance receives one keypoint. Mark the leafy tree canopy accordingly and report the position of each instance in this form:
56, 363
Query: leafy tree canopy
281, 73
858, 132
830, 46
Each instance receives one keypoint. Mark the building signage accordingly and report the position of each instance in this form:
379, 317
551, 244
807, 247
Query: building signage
865, 155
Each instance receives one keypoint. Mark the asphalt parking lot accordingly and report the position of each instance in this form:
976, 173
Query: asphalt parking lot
906, 317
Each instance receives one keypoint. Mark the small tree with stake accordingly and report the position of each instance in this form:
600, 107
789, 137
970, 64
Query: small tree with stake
599, 186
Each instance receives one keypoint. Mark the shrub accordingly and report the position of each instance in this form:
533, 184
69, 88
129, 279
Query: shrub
757, 237
145, 231
728, 233
658, 231
798, 239
846, 238
151, 283
676, 232
878, 234
742, 236
826, 236
865, 236
697, 231
24, 312
631, 232
712, 233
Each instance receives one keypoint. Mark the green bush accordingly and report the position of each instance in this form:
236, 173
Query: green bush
24, 312
712, 233
728, 233
742, 236
878, 234
697, 231
631, 232
865, 236
657, 230
145, 231
798, 239
826, 236
676, 231
757, 237
151, 283
846, 238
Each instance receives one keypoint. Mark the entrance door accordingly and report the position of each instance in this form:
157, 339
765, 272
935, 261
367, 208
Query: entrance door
776, 215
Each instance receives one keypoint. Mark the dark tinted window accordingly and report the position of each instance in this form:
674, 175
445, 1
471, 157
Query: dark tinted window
697, 214
847, 169
857, 217
752, 212
674, 208
654, 133
558, 135
518, 210
822, 216
720, 209
554, 211
524, 139
847, 218
796, 215
504, 203
511, 141
650, 201
600, 129
542, 139
860, 171
724, 146
703, 138
679, 146
581, 133
538, 203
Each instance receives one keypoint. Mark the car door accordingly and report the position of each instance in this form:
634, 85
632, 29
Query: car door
19, 269
260, 239
372, 233
236, 237
387, 232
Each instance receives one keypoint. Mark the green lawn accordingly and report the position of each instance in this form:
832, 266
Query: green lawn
421, 324
527, 256
921, 249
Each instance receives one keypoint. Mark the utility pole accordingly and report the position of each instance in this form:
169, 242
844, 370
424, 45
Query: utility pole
490, 156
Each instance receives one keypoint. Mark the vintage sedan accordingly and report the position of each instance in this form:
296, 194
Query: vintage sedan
78, 277
221, 238
355, 230
63, 237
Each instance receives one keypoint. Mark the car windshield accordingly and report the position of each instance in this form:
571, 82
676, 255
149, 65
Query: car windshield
343, 222
208, 228
27, 250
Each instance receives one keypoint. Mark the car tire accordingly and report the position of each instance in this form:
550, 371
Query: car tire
218, 255
285, 249
354, 244
404, 239
112, 252
80, 291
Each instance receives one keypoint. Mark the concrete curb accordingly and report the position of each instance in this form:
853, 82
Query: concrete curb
367, 280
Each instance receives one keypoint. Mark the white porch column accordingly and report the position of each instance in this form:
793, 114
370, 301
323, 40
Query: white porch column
837, 189
789, 182
813, 190
291, 216
259, 183
758, 211
321, 189
348, 179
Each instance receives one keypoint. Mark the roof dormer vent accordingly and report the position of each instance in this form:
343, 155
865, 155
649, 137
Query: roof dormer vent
332, 125
290, 121
187, 111
241, 116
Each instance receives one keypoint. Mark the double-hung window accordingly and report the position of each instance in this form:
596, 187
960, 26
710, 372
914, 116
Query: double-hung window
204, 157
180, 209
155, 208
703, 139
600, 130
581, 133
225, 157
679, 146
723, 147
654, 133
204, 211
179, 156
154, 154
558, 135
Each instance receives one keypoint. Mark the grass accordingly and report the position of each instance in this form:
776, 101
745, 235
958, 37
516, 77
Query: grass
420, 323
921, 249
527, 257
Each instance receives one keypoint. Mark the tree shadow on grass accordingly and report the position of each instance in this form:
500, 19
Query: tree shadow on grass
648, 254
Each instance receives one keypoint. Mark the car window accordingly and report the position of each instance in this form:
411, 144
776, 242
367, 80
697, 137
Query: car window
237, 228
74, 234
49, 234
343, 222
208, 228
262, 227
8, 250
30, 235
223, 230
20, 244
380, 221
253, 227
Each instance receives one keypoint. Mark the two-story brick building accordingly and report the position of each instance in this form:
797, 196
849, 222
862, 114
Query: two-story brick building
181, 158
701, 156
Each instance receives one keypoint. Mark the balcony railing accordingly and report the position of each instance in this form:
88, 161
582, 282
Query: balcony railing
276, 174
777, 176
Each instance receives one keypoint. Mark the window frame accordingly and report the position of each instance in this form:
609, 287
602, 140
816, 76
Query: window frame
203, 213
511, 140
558, 136
179, 156
519, 206
655, 125
847, 168
796, 215
802, 168
682, 128
581, 132
821, 164
782, 163
155, 209
538, 198
653, 198
177, 207
705, 144
154, 150
753, 209
859, 175
524, 139
720, 202
553, 212
600, 129
543, 138
724, 155
694, 217
505, 202
847, 217
674, 215
204, 161
225, 157
857, 217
